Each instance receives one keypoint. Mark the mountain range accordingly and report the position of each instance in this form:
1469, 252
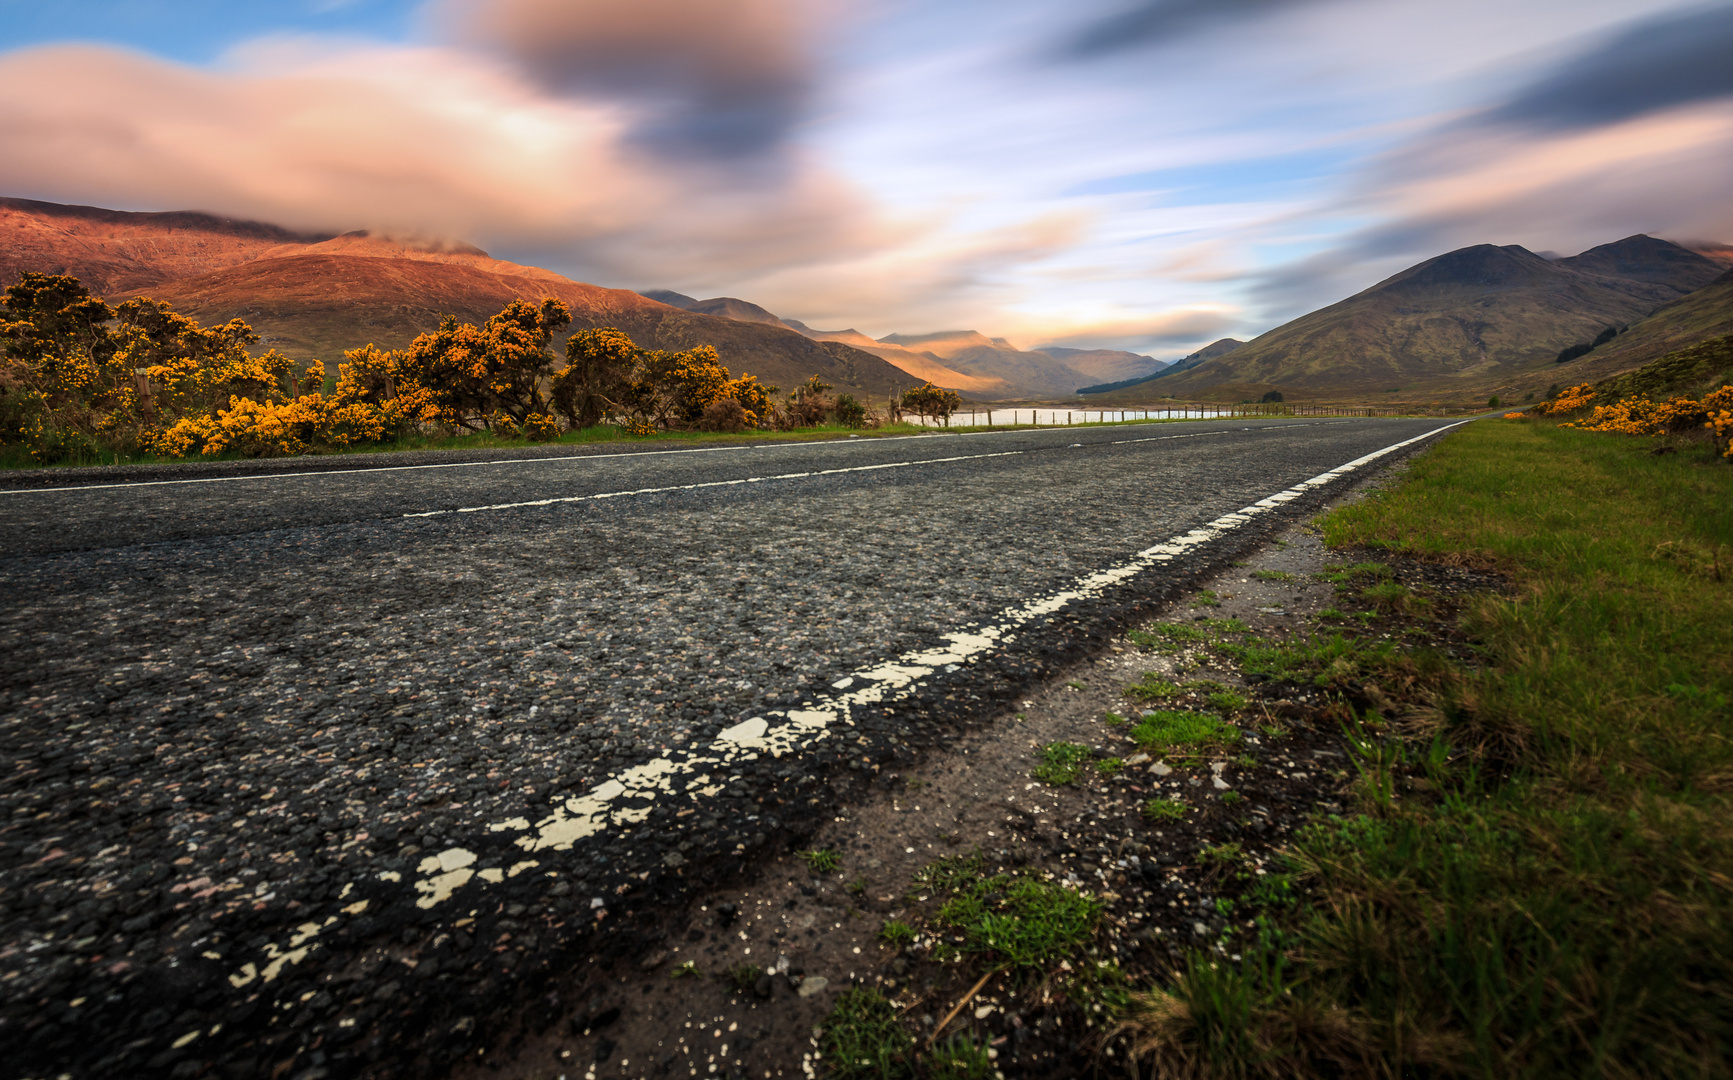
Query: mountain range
1477, 319
313, 296
991, 369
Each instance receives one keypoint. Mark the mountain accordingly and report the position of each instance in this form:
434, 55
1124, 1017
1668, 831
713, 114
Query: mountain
1104, 364
1025, 374
1219, 347
313, 296
1479, 316
726, 307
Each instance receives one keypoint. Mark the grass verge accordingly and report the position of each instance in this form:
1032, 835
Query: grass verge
1536, 877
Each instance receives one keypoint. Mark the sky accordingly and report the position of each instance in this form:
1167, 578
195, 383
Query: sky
1137, 174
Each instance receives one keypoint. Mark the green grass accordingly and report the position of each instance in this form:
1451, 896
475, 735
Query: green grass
1173, 729
959, 1058
863, 1040
1206, 598
1021, 920
1273, 575
1152, 687
896, 932
1557, 899
1061, 763
1110, 767
741, 977
820, 860
1163, 810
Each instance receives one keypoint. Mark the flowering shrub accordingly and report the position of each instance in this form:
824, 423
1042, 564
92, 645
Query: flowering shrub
1638, 416
79, 378
1514, 415
1571, 400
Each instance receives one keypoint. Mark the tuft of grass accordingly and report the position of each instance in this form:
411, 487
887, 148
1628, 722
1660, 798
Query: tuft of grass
1113, 719
1232, 798
1206, 598
1110, 767
1152, 687
863, 1039
951, 873
857, 887
1166, 810
1171, 729
1020, 920
1273, 575
1226, 702
741, 977
959, 1058
1061, 763
820, 860
896, 932
685, 969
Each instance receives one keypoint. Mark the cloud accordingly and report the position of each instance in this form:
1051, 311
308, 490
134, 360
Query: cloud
713, 79
1665, 173
1184, 326
1157, 21
407, 141
1664, 62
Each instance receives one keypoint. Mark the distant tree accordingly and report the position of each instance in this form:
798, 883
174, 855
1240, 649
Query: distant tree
849, 412
1273, 395
1493, 402
928, 400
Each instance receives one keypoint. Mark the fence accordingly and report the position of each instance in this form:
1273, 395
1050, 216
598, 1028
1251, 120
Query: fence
1069, 417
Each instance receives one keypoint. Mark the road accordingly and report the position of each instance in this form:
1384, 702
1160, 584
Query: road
327, 768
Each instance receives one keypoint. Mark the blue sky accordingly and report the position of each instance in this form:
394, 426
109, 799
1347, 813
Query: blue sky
1146, 175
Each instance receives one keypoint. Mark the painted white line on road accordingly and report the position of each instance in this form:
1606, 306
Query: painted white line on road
628, 797
543, 460
557, 499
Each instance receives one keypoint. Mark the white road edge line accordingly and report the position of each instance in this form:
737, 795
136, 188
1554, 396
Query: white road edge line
629, 796
544, 460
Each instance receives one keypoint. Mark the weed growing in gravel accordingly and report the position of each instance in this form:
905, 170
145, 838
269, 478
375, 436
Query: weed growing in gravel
1075, 685
1061, 763
1341, 575
685, 969
1246, 761
1226, 702
1206, 598
1021, 920
1113, 719
896, 932
857, 887
821, 860
863, 1038
960, 1058
1169, 729
1332, 613
1223, 626
951, 872
1110, 767
1232, 798
1167, 637
742, 977
1221, 856
1152, 687
1320, 660
1273, 575
1168, 810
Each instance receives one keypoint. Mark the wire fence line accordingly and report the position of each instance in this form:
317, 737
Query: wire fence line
1051, 417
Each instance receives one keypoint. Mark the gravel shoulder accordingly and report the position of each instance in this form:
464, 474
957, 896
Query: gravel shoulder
263, 815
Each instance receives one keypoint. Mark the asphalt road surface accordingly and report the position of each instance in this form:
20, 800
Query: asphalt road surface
317, 774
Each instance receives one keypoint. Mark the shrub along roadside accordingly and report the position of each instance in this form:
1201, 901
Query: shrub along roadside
1537, 879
